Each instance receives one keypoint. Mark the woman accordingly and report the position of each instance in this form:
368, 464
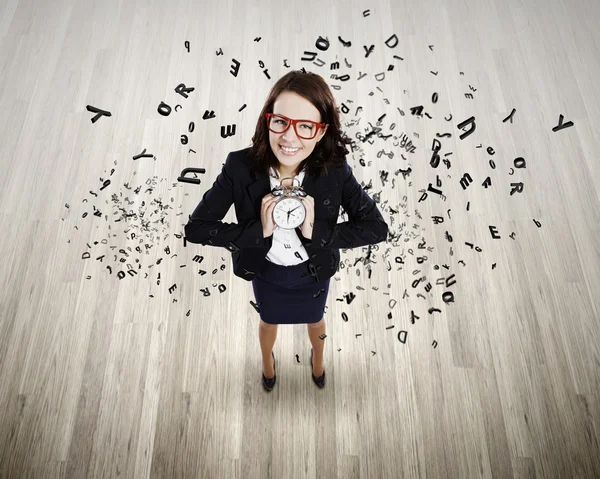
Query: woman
297, 137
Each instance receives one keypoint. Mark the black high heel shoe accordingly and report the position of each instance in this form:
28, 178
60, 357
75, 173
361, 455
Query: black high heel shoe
319, 381
269, 383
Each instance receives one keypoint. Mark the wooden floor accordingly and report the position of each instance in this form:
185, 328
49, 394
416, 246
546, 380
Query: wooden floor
102, 376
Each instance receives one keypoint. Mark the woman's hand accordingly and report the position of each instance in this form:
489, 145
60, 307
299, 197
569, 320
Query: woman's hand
266, 214
307, 225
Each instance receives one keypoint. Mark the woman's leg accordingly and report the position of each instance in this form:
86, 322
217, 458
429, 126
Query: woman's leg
314, 331
267, 334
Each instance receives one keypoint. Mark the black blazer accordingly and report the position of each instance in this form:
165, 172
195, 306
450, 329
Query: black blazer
244, 187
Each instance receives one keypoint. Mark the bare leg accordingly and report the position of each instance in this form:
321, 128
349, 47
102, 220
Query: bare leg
267, 334
314, 331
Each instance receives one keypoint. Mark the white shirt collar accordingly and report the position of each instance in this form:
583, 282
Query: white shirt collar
273, 173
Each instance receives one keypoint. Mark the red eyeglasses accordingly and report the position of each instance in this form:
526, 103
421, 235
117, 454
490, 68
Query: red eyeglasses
306, 129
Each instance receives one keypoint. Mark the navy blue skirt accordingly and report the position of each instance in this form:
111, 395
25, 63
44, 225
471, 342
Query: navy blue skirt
289, 294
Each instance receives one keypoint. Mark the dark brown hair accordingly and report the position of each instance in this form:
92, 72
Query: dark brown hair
329, 151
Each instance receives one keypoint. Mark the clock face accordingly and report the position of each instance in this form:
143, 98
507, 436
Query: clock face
289, 213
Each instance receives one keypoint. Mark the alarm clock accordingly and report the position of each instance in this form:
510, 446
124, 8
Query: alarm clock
289, 211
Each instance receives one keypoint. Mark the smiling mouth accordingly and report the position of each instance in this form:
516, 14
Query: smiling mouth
287, 151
